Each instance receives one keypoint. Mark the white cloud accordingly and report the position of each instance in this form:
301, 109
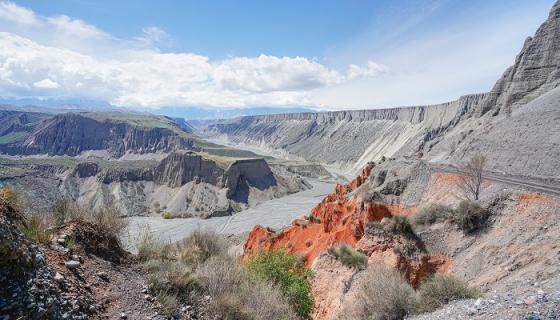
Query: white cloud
46, 84
12, 12
65, 57
372, 69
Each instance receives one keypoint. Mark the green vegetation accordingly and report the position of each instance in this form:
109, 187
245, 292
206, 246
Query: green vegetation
239, 295
137, 119
168, 215
349, 256
13, 137
288, 272
199, 265
441, 289
383, 294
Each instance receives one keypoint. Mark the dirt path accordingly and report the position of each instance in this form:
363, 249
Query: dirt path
533, 184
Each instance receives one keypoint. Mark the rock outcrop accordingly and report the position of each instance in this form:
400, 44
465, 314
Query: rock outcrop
187, 183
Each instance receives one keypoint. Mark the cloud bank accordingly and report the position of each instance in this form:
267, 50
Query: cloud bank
63, 57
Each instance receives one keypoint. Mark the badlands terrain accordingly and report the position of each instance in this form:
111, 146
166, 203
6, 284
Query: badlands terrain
328, 215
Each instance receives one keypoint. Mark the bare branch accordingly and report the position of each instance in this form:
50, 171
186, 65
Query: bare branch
471, 177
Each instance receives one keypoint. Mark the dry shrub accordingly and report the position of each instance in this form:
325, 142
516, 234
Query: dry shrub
108, 221
169, 304
238, 295
400, 224
441, 289
66, 210
349, 256
470, 216
11, 197
383, 294
200, 246
36, 228
432, 214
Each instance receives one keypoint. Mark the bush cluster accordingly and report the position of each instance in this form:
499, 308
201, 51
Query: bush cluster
384, 294
199, 265
432, 214
349, 256
289, 273
441, 289
469, 216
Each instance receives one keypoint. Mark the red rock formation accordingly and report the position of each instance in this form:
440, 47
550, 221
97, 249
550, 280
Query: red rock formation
340, 218
343, 217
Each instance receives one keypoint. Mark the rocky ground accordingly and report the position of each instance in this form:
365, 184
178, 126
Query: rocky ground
72, 276
537, 301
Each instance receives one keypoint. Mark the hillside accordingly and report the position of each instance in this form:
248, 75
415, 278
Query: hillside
524, 99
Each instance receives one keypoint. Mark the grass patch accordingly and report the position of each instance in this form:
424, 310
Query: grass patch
441, 289
168, 215
13, 137
349, 256
36, 229
290, 274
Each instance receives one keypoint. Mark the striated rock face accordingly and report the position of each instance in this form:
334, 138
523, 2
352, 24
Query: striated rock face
525, 99
186, 183
70, 134
536, 69
179, 168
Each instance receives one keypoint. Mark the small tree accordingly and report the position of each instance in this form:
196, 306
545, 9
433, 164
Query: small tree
471, 177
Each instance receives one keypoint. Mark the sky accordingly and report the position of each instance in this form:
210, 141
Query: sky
327, 55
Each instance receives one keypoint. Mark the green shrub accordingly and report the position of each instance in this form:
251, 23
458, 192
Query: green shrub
349, 256
432, 214
441, 289
470, 216
383, 294
288, 272
168, 215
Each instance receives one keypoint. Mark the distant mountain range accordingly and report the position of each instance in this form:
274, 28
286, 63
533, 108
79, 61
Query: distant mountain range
189, 113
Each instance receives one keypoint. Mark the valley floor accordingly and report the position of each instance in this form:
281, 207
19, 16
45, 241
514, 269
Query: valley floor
276, 214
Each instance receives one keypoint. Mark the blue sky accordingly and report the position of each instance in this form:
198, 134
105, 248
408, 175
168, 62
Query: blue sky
221, 54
